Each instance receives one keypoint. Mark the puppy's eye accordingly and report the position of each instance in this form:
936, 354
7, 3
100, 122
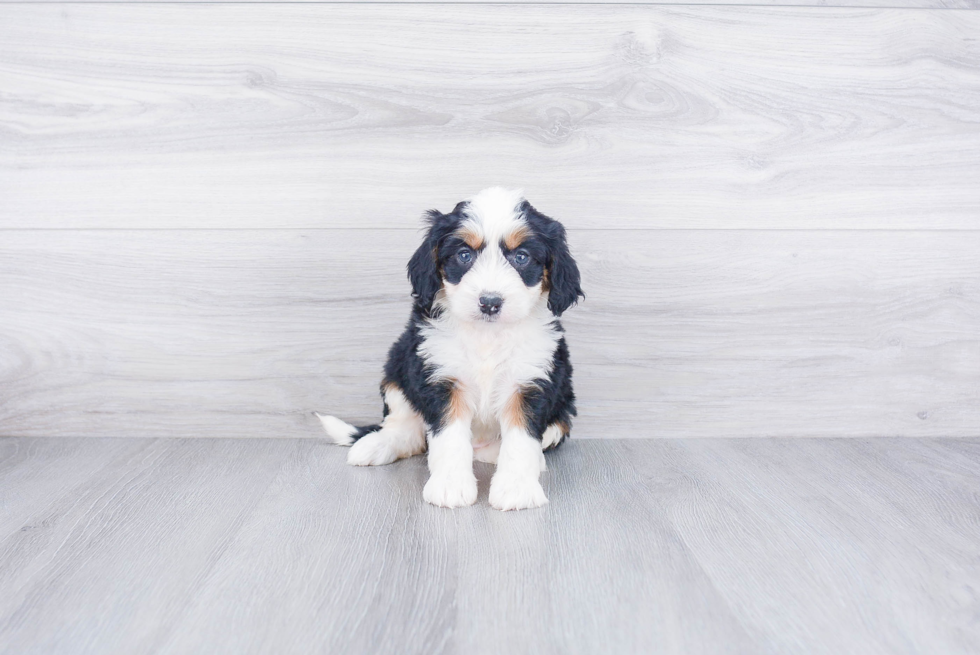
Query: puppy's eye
521, 257
464, 256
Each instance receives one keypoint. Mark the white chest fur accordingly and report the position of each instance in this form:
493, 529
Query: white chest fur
490, 360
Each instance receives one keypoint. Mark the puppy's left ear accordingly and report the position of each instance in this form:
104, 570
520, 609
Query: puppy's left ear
563, 275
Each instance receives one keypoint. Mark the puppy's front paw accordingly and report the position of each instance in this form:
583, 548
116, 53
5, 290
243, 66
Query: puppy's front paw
511, 492
458, 490
371, 450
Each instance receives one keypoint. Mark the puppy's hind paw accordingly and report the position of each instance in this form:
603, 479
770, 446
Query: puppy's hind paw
451, 490
507, 493
371, 450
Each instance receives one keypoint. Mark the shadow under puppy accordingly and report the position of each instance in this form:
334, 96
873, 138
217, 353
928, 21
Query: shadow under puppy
482, 369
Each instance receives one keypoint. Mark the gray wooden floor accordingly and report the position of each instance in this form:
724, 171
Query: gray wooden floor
674, 546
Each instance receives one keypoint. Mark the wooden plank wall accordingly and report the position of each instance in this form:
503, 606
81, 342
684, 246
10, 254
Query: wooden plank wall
205, 209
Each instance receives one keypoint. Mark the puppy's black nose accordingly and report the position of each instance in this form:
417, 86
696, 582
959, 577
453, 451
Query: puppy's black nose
490, 305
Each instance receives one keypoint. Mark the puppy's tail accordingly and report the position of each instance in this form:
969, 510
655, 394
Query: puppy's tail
343, 433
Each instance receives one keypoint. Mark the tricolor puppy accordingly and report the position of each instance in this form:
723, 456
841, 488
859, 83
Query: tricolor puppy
482, 369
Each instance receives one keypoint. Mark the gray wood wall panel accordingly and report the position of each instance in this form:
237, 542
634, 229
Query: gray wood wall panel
755, 546
684, 332
705, 126
903, 4
286, 115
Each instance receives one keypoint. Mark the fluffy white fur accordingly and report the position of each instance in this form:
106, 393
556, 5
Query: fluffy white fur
515, 484
402, 434
340, 432
451, 479
490, 362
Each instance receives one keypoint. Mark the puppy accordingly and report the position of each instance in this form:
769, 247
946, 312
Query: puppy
482, 370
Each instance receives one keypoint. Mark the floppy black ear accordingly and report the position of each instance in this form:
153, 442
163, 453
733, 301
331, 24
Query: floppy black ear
423, 267
424, 275
563, 275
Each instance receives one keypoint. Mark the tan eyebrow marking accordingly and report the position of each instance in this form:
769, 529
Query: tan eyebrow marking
517, 236
472, 238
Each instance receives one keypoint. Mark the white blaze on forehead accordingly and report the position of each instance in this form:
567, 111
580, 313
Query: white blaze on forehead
494, 213
491, 218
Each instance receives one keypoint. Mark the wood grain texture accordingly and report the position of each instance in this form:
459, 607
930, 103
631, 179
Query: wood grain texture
285, 115
778, 546
683, 333
50, 469
902, 4
168, 511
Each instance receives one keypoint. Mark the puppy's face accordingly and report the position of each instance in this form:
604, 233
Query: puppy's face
494, 259
493, 265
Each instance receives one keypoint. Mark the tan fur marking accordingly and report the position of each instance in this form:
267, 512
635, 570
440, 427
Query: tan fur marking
456, 410
516, 236
514, 410
472, 238
386, 388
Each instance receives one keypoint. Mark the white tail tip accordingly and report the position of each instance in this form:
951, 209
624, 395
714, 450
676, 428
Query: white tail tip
339, 432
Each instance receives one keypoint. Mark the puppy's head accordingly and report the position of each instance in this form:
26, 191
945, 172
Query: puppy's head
494, 258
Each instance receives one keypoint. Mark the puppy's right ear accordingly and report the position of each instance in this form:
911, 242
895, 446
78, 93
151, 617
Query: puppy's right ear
423, 267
